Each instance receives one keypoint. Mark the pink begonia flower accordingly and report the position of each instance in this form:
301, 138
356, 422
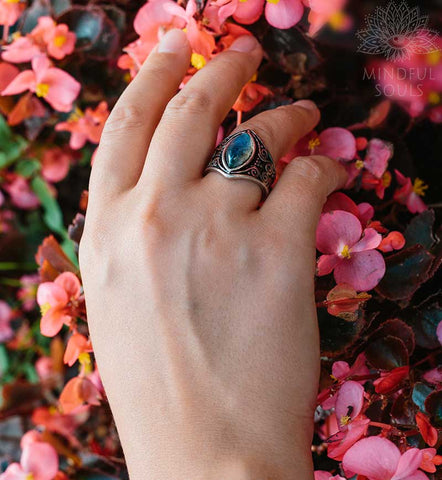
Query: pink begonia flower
21, 194
6, 332
349, 403
379, 185
56, 86
10, 11
340, 201
349, 252
55, 164
39, 461
380, 459
390, 381
434, 376
58, 40
283, 13
87, 126
430, 460
323, 11
410, 194
339, 443
439, 332
335, 142
21, 50
28, 290
77, 345
44, 367
323, 475
377, 156
53, 298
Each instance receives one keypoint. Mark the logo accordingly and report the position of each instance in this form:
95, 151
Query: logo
397, 31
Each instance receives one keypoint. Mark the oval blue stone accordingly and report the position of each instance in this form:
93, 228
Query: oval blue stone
239, 151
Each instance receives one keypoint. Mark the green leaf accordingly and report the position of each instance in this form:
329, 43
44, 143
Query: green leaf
4, 360
27, 167
11, 146
52, 212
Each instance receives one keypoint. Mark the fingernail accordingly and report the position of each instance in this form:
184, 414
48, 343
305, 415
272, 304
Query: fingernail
307, 104
173, 41
246, 43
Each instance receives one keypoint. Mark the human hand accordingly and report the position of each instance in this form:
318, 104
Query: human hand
200, 305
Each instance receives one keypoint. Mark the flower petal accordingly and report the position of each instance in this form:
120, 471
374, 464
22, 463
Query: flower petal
369, 241
41, 460
349, 400
326, 264
337, 143
377, 156
52, 294
374, 457
336, 229
70, 283
408, 464
284, 13
22, 82
363, 271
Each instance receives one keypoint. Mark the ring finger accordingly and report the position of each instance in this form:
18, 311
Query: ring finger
279, 130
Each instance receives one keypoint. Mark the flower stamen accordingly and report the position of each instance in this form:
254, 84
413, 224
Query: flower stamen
345, 253
419, 187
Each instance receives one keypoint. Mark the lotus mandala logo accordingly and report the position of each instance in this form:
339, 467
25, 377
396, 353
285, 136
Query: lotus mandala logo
397, 31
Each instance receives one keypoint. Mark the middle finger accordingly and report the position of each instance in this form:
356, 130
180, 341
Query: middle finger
187, 131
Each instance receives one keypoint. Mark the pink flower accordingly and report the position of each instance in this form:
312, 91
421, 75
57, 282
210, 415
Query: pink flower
21, 50
342, 370
7, 74
344, 439
6, 332
434, 376
439, 332
59, 41
393, 241
409, 194
335, 142
10, 11
379, 459
77, 345
283, 13
323, 11
323, 475
27, 291
56, 86
340, 201
87, 126
55, 164
349, 403
247, 12
39, 461
21, 194
54, 299
377, 156
349, 252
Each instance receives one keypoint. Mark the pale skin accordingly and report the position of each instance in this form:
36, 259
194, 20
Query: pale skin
201, 304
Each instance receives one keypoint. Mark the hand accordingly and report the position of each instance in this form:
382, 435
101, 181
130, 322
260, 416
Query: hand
201, 306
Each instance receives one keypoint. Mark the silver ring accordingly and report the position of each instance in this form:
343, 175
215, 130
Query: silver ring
244, 156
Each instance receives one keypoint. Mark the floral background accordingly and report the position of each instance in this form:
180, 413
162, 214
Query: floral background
63, 65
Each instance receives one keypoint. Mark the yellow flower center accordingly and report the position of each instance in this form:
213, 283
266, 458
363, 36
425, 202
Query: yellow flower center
13, 1
85, 361
359, 164
433, 58
275, 2
345, 253
53, 410
60, 40
45, 308
313, 143
386, 179
42, 90
345, 420
29, 476
254, 77
419, 187
434, 98
333, 378
75, 115
337, 20
197, 61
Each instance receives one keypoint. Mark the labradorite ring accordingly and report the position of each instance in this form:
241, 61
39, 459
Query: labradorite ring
242, 155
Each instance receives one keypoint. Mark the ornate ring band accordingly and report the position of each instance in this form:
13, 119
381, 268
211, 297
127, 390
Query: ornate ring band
244, 156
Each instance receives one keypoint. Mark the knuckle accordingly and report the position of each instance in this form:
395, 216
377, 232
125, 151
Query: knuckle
124, 117
190, 102
312, 169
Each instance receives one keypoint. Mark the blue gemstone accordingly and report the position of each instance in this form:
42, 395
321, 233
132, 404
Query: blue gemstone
239, 151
